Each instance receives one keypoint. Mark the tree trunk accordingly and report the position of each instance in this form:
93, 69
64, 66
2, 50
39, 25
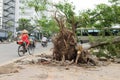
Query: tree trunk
96, 44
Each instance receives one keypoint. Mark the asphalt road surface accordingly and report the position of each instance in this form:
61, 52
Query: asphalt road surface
8, 51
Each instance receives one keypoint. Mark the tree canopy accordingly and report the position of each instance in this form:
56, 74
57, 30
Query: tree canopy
25, 24
103, 15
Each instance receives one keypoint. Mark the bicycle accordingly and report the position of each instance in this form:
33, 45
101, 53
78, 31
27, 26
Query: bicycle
44, 44
22, 50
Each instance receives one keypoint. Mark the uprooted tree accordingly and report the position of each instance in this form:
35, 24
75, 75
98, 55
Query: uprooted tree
66, 47
65, 43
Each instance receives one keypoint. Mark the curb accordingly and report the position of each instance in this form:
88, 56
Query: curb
12, 61
17, 59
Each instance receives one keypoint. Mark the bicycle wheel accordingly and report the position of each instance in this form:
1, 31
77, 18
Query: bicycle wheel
21, 51
31, 49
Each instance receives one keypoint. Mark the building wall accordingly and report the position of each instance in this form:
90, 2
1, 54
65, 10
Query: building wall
1, 10
8, 18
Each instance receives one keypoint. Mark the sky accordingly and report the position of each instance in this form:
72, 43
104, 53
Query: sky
84, 4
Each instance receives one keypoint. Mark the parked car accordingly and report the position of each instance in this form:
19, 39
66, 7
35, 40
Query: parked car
3, 35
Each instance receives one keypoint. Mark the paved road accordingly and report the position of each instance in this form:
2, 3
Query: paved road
9, 51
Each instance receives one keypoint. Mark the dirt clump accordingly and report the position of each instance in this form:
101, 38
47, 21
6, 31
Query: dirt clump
9, 68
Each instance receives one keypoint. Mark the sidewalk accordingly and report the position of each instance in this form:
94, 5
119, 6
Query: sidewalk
54, 72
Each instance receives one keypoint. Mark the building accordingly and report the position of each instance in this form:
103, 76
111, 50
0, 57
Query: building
11, 11
1, 8
8, 17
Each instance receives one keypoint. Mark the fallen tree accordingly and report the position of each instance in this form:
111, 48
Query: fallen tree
65, 44
115, 40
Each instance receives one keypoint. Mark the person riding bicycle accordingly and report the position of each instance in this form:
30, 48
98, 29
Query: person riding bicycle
25, 38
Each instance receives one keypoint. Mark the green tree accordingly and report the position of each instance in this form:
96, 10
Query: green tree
116, 10
39, 6
85, 19
102, 16
48, 26
25, 24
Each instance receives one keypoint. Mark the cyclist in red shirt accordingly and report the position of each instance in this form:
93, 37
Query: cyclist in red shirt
25, 38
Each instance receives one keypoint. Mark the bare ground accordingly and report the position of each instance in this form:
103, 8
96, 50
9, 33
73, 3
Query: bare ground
46, 71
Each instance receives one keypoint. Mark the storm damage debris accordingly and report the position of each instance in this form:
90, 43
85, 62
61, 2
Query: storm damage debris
65, 44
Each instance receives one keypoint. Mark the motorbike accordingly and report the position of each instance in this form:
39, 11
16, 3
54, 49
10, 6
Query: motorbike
44, 44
